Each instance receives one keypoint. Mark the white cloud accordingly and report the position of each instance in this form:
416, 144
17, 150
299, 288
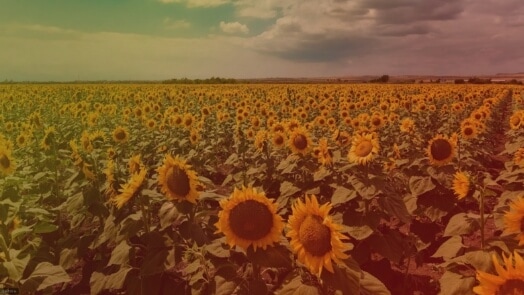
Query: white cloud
233, 28
197, 3
176, 24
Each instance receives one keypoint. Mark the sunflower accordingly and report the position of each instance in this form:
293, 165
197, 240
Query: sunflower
441, 150
461, 184
322, 153
7, 163
514, 219
129, 189
249, 218
279, 139
134, 164
120, 134
377, 121
315, 238
407, 125
49, 138
260, 139
111, 182
177, 180
364, 148
23, 139
515, 121
518, 158
299, 141
509, 280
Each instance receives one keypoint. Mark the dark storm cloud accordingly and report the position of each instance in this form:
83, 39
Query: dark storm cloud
402, 36
408, 11
321, 48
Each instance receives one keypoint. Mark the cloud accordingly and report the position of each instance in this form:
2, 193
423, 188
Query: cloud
233, 28
176, 24
197, 3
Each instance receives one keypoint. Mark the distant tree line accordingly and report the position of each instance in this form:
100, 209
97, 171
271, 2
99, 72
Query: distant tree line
381, 79
476, 80
212, 80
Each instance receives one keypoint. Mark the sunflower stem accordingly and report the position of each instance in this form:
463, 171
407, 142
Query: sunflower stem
4, 248
481, 205
145, 213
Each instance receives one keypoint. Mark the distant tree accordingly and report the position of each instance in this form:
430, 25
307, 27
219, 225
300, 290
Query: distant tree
459, 81
382, 79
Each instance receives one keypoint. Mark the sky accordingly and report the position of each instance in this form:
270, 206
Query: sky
66, 40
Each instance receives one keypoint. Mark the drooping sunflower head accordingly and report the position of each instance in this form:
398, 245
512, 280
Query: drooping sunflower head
49, 138
322, 152
518, 157
509, 280
364, 148
248, 218
131, 188
441, 150
7, 163
299, 141
315, 238
515, 121
514, 219
134, 163
177, 180
461, 184
120, 134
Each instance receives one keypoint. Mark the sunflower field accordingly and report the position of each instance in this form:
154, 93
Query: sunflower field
261, 189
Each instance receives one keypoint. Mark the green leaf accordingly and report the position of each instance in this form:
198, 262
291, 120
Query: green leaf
343, 279
160, 255
218, 248
419, 185
341, 195
461, 224
449, 248
43, 227
293, 285
68, 257
44, 275
395, 206
287, 189
168, 213
20, 231
455, 284
370, 285
360, 232
272, 256
108, 281
480, 260
321, 174
120, 254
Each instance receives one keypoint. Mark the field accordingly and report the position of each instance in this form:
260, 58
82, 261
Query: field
261, 189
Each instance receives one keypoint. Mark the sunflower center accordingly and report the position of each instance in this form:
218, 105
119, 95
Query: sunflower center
300, 142
279, 140
48, 139
511, 287
120, 135
364, 148
376, 121
178, 181
251, 220
440, 149
468, 131
4, 161
315, 236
